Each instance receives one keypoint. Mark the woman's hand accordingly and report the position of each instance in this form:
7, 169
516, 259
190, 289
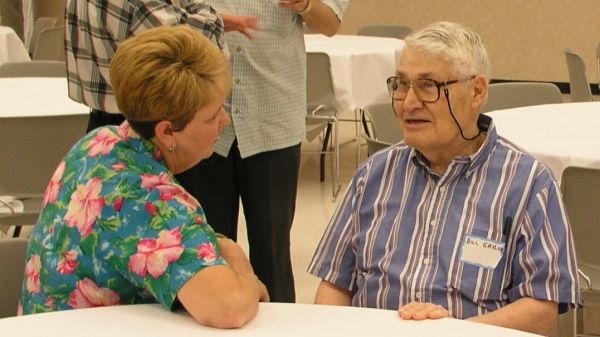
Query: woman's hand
419, 311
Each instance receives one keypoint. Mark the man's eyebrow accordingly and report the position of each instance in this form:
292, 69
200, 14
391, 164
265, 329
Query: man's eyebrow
428, 74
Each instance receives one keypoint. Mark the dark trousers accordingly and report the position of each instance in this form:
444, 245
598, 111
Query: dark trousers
267, 185
100, 118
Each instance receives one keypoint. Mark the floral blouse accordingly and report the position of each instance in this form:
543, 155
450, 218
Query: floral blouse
116, 228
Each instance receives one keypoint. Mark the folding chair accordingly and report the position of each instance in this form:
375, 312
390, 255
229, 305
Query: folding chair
33, 69
50, 44
580, 87
581, 192
12, 268
384, 130
322, 113
518, 94
34, 146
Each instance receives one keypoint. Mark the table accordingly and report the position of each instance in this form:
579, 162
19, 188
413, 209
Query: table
12, 48
560, 135
273, 319
37, 96
360, 66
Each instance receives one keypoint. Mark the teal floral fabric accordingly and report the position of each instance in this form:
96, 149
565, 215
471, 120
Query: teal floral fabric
116, 228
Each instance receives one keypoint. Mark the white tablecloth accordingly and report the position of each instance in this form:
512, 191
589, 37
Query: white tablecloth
560, 135
11, 47
360, 66
273, 320
37, 96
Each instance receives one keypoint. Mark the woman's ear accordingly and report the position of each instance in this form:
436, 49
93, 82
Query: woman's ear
480, 91
163, 132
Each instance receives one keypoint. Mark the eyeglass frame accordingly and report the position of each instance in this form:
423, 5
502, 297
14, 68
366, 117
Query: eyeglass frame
438, 85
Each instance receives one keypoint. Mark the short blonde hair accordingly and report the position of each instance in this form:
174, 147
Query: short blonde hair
167, 73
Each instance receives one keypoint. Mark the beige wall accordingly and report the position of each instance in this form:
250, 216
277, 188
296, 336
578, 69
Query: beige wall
525, 38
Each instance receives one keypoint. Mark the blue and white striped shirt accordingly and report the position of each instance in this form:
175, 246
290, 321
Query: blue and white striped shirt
402, 231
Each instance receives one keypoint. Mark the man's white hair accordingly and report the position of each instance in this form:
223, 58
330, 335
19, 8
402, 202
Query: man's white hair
458, 45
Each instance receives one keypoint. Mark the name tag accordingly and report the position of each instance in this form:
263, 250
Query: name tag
481, 252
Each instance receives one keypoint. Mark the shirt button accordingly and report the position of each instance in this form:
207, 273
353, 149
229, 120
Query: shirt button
433, 223
238, 49
426, 261
237, 81
418, 295
237, 111
443, 189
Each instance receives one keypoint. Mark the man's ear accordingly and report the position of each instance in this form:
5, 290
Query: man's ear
163, 132
480, 91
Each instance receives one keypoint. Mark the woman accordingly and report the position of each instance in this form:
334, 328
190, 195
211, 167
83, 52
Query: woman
116, 227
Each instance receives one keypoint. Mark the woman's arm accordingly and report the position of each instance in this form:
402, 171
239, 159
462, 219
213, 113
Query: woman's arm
224, 296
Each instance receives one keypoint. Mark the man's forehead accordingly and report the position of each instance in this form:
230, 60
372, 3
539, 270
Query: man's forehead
416, 64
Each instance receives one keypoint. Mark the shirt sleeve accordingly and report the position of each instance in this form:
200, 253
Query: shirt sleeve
338, 6
545, 266
149, 14
335, 259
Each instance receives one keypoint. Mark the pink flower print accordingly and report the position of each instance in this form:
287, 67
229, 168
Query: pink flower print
151, 208
32, 274
118, 166
124, 131
151, 181
199, 219
50, 302
118, 203
207, 252
154, 256
102, 143
171, 191
88, 294
68, 262
54, 185
85, 206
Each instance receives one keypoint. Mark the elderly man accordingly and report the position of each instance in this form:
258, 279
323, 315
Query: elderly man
455, 220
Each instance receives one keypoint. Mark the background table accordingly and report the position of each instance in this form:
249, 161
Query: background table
360, 66
273, 320
12, 48
37, 96
560, 135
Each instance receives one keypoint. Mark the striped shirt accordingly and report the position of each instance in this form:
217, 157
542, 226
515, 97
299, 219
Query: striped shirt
267, 105
94, 29
404, 233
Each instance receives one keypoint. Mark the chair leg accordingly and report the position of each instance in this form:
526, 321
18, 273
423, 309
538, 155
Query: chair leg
323, 149
336, 159
17, 232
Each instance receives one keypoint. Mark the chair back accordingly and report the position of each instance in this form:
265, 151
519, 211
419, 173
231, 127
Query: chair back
319, 83
385, 130
518, 94
39, 24
395, 31
580, 87
33, 69
581, 192
34, 148
50, 44
12, 268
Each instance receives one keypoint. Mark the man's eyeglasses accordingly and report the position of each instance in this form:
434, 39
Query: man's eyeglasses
427, 90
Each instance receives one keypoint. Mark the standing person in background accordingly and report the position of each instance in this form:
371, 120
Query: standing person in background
257, 157
95, 28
